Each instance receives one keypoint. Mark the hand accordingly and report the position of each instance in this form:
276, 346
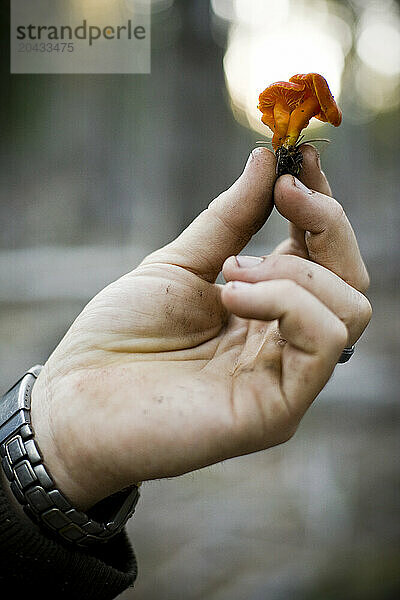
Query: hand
165, 371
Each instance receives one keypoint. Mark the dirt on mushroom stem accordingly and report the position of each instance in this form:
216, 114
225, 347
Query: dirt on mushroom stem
289, 160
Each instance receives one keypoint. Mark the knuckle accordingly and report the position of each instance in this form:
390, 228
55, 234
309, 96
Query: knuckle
365, 311
364, 281
330, 218
360, 279
288, 287
339, 334
336, 213
358, 316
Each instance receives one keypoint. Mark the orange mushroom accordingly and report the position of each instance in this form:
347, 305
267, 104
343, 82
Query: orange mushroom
318, 102
287, 107
277, 102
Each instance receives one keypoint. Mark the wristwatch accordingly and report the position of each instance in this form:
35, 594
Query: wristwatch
33, 486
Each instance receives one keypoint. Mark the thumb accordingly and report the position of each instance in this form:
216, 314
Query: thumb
229, 222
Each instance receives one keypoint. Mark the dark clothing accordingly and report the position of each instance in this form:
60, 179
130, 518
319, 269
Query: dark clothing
33, 563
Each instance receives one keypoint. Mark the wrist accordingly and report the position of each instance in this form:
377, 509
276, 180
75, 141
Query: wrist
34, 486
46, 429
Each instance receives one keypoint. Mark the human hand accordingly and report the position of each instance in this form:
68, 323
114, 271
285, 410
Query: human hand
165, 371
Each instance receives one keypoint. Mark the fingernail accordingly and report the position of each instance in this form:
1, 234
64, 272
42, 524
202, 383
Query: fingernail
239, 284
246, 262
301, 186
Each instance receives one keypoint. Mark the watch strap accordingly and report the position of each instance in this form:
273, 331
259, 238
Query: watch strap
35, 489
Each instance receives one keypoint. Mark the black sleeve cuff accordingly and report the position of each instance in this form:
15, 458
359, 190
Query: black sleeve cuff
32, 562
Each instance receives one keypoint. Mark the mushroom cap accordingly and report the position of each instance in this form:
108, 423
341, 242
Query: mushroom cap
317, 85
284, 92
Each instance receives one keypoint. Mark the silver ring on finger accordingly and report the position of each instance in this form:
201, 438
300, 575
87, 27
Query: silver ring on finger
346, 355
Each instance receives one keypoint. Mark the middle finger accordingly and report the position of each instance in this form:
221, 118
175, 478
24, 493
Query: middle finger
345, 301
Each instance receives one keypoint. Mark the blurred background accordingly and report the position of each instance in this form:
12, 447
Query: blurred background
97, 171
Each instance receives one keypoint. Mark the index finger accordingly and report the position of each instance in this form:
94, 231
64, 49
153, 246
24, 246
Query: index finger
329, 237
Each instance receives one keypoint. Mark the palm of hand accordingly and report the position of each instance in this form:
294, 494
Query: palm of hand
159, 340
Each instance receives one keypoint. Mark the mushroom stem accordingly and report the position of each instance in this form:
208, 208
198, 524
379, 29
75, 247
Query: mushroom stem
300, 118
281, 117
